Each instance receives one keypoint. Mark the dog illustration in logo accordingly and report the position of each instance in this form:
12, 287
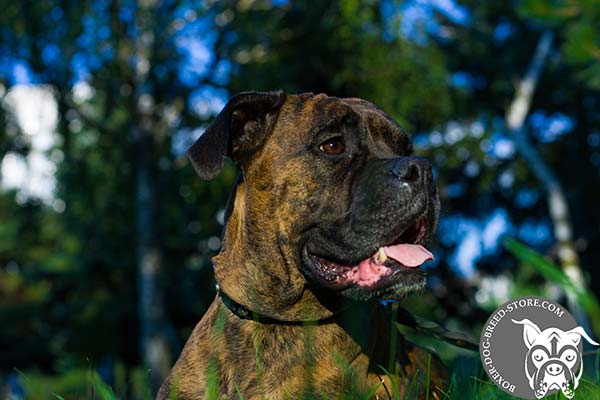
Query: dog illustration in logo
553, 361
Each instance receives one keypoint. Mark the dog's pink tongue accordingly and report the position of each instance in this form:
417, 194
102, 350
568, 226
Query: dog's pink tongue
409, 255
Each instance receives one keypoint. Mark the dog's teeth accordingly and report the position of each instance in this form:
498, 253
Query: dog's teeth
380, 257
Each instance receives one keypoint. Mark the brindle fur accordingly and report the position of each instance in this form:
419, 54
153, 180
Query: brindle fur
281, 192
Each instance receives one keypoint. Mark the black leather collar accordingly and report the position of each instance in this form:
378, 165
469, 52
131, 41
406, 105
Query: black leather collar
245, 313
403, 317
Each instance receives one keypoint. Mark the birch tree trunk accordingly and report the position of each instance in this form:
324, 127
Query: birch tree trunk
557, 202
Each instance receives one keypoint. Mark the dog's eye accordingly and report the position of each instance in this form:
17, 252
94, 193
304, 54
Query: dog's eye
538, 355
569, 355
333, 147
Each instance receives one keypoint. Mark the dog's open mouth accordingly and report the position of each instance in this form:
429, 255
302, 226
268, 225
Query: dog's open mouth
382, 269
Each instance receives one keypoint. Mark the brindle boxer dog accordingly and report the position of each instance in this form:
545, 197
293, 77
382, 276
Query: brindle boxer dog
328, 217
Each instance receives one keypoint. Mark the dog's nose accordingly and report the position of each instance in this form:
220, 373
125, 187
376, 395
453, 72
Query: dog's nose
413, 170
554, 369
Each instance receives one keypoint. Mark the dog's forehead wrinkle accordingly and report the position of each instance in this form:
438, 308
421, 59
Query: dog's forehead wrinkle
554, 335
386, 138
332, 116
551, 334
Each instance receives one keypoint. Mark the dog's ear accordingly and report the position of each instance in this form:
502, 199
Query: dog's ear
239, 129
530, 331
577, 333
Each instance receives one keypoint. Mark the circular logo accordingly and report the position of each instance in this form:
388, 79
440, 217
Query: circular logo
531, 348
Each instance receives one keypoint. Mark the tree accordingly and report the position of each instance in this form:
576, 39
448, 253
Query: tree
129, 197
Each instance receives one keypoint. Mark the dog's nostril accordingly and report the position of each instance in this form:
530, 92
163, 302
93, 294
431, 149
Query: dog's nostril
412, 173
412, 170
429, 174
554, 369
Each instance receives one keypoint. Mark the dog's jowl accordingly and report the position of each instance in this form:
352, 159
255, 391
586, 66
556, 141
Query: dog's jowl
330, 214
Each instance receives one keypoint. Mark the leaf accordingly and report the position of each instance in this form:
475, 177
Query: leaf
580, 46
553, 273
103, 391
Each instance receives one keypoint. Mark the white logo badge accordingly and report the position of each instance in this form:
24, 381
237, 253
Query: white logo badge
553, 360
531, 348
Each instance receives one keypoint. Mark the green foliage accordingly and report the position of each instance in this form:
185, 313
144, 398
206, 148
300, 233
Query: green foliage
68, 293
85, 384
67, 277
79, 383
578, 19
467, 381
554, 273
337, 48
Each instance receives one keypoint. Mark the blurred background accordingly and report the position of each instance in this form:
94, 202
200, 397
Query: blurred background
106, 232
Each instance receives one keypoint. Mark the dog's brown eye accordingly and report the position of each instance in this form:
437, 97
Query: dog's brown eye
333, 147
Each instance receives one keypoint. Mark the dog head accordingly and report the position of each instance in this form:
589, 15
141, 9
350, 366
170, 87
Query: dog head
330, 201
553, 361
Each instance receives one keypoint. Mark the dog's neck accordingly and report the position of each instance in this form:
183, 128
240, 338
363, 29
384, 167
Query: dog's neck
357, 338
361, 321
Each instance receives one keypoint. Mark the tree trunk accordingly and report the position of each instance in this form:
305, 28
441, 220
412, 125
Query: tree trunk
156, 354
154, 345
557, 202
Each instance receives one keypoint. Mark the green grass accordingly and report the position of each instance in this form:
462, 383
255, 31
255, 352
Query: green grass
467, 379
476, 385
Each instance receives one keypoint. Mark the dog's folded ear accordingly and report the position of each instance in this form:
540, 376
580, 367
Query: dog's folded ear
530, 331
577, 333
238, 130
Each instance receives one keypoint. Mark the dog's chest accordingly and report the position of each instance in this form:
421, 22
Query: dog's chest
279, 361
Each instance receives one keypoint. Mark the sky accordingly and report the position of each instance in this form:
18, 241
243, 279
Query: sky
34, 109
